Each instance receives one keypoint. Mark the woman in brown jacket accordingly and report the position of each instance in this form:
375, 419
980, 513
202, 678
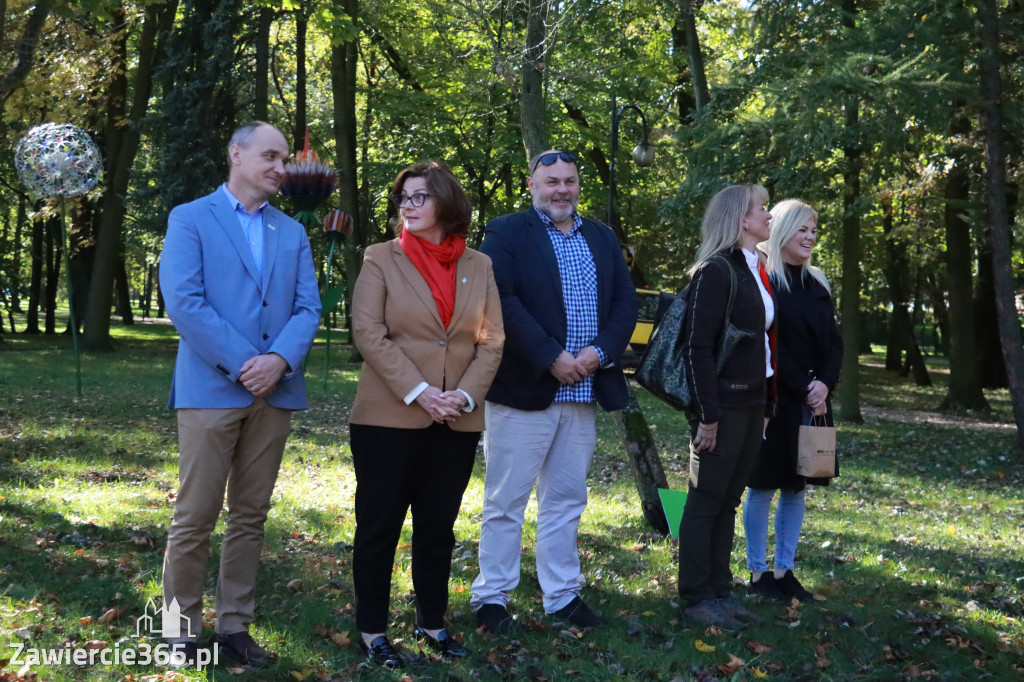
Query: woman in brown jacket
427, 319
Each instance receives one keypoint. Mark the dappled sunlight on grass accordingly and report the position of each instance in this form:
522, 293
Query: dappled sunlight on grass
915, 546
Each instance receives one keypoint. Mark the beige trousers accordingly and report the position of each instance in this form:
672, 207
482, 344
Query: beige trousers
238, 449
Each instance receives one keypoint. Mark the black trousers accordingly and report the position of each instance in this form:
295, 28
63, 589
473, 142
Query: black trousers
428, 470
709, 517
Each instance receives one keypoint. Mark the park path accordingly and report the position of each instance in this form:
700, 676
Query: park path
953, 421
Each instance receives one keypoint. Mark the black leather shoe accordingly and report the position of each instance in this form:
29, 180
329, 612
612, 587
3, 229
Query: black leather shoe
738, 611
791, 587
579, 614
445, 644
767, 587
242, 649
496, 619
380, 652
182, 655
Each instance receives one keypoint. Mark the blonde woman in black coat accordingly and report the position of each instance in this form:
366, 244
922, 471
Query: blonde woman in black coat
732, 398
810, 353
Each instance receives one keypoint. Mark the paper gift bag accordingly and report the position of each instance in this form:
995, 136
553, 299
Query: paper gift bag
816, 450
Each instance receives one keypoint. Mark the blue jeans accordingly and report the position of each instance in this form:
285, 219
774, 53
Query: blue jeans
789, 519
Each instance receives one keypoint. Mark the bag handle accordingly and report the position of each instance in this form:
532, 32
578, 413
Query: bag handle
818, 420
732, 287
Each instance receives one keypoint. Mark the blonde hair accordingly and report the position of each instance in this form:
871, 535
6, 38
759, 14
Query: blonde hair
787, 217
722, 226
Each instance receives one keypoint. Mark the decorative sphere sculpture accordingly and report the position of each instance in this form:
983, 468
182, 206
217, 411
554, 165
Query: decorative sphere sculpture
58, 160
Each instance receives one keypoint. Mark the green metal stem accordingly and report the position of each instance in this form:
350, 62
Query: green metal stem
327, 315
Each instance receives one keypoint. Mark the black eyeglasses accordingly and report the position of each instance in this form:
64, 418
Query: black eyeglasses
414, 200
550, 158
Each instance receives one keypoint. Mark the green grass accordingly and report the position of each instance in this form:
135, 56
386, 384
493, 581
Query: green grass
916, 546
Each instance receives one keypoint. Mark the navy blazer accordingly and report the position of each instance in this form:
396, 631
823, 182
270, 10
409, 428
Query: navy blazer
226, 313
526, 272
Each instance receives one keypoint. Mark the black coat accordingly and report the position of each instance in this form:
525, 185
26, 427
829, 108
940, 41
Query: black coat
741, 383
530, 286
809, 347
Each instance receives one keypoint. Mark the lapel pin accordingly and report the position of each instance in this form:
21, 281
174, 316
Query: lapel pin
271, 227
464, 280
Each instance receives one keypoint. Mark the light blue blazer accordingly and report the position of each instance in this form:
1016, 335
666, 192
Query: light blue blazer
225, 313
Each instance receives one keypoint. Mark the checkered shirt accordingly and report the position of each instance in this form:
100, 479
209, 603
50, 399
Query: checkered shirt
578, 273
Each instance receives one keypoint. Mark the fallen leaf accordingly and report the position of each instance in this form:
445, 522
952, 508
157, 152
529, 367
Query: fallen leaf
730, 668
300, 675
341, 638
759, 673
86, 620
294, 585
759, 648
699, 645
96, 644
108, 616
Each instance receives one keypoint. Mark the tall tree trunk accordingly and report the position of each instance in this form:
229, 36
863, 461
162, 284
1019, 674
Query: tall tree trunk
35, 286
261, 99
301, 24
989, 365
901, 327
52, 281
344, 61
147, 292
686, 101
849, 387
999, 224
122, 294
964, 392
894, 267
19, 229
531, 98
122, 145
697, 73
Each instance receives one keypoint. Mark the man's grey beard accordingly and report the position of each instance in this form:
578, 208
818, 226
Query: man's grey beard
558, 215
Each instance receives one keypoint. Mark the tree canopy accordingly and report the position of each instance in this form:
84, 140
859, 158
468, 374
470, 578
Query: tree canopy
873, 112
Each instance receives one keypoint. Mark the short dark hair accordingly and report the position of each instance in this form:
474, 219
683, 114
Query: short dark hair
242, 134
453, 210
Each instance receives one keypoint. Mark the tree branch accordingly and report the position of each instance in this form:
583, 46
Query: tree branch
25, 50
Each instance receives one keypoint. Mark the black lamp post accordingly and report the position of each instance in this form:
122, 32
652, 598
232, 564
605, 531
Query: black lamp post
643, 153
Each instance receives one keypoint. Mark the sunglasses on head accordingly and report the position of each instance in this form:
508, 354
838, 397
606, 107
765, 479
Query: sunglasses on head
550, 158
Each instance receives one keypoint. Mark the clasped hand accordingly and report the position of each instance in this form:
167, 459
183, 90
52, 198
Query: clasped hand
442, 406
569, 370
261, 373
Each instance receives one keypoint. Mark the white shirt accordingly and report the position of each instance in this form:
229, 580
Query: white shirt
769, 309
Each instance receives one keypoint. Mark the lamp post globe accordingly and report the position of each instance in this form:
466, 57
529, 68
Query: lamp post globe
643, 154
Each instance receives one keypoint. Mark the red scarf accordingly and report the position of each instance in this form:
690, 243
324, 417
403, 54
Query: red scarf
771, 332
436, 262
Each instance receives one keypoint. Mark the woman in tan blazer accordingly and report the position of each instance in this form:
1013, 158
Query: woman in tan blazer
427, 319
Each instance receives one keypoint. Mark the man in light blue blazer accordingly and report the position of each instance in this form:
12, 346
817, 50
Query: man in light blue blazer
238, 280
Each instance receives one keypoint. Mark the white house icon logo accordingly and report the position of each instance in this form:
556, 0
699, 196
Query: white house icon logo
170, 622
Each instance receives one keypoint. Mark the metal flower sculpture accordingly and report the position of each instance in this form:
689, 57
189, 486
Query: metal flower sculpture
337, 226
308, 182
60, 160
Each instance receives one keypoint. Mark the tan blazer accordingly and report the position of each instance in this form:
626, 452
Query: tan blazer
398, 330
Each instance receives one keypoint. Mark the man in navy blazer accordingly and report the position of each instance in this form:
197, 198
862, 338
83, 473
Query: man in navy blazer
569, 308
238, 280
